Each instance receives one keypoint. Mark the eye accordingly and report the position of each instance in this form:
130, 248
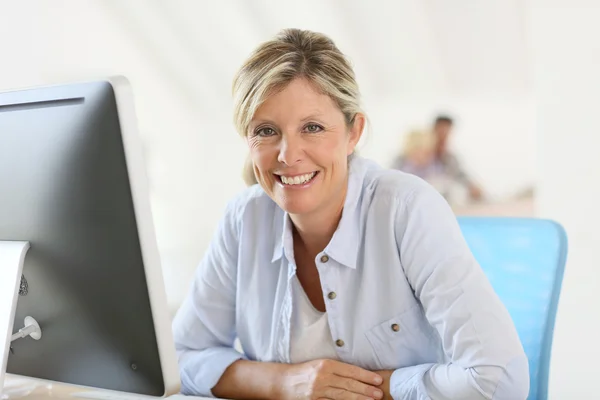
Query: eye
265, 131
313, 128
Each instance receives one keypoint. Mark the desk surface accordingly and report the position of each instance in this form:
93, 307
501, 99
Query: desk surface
31, 389
510, 208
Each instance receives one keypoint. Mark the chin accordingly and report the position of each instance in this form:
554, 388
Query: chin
296, 206
296, 201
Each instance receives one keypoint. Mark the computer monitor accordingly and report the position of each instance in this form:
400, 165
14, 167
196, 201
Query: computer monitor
73, 186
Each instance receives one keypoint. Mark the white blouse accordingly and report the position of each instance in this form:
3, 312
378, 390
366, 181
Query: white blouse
310, 334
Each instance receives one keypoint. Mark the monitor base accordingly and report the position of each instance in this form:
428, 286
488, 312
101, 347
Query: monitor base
12, 258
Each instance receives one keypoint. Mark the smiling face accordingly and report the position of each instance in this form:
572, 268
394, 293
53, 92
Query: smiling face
299, 143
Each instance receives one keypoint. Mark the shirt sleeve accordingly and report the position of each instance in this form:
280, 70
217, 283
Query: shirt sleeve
204, 327
485, 358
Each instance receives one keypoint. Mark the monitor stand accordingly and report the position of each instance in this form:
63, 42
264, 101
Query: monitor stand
12, 257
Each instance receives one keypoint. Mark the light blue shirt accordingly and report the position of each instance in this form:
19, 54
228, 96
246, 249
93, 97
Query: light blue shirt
410, 296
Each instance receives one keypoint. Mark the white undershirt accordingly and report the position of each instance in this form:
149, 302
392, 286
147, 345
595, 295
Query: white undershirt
310, 334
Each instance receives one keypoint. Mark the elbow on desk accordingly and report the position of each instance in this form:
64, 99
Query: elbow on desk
187, 384
508, 383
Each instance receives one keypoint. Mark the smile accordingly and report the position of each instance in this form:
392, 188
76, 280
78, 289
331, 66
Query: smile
297, 180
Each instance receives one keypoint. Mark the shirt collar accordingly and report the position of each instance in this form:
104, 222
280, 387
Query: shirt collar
284, 241
344, 244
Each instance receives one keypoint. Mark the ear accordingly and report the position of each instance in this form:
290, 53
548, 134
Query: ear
356, 131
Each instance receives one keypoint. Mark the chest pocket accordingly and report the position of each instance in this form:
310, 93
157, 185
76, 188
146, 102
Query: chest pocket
405, 340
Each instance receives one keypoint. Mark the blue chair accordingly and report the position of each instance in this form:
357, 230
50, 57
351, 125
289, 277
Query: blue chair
524, 259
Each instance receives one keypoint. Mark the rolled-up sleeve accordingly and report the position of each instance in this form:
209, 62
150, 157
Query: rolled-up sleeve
484, 356
204, 327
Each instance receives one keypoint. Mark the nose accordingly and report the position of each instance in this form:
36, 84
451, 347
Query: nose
290, 150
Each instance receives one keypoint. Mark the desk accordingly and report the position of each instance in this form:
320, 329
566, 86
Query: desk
31, 389
511, 208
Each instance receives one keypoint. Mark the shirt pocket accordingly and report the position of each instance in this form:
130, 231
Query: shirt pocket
404, 340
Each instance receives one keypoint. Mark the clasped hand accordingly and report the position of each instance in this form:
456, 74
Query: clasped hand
329, 379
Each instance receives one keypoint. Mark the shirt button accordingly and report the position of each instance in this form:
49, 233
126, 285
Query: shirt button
339, 343
332, 295
324, 258
395, 327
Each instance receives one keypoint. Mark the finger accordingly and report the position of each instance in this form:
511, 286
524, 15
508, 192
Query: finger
357, 373
354, 386
342, 394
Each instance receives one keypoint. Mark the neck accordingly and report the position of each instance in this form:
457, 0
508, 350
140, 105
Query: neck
314, 231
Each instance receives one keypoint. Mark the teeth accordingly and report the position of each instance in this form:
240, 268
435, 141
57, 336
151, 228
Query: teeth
297, 180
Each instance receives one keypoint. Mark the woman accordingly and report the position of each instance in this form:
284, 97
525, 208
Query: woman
418, 158
417, 154
342, 280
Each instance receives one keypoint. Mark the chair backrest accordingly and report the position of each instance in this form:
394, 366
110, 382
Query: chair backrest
524, 259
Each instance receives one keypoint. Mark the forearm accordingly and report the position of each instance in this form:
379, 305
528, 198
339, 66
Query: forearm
250, 380
452, 382
434, 381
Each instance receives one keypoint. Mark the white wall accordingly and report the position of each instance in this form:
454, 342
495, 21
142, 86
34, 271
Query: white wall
566, 50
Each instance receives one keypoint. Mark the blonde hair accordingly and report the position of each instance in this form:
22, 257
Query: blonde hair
417, 140
293, 53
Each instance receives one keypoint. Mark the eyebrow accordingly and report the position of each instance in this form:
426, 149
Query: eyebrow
316, 115
256, 122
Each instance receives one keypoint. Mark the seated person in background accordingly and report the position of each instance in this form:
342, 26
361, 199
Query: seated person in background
419, 158
427, 156
341, 279
446, 160
418, 153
